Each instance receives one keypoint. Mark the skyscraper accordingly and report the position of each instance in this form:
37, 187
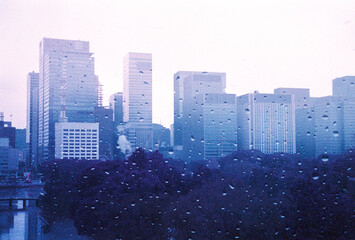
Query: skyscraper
137, 99
187, 85
32, 119
266, 122
67, 81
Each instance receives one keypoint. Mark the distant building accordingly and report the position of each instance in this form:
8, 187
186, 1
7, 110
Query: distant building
20, 139
116, 104
9, 158
77, 140
32, 119
344, 86
20, 143
66, 80
137, 99
187, 85
266, 122
104, 116
304, 119
161, 137
219, 116
7, 131
335, 118
328, 125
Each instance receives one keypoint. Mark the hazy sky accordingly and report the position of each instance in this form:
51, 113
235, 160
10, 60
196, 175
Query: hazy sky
261, 45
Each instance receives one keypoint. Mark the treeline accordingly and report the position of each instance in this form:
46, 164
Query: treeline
247, 195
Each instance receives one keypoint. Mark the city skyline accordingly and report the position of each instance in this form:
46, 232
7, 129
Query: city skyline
259, 46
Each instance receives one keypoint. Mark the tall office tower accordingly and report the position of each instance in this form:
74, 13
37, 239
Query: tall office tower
304, 119
104, 116
344, 86
77, 140
32, 119
187, 85
328, 125
266, 122
116, 104
67, 82
137, 99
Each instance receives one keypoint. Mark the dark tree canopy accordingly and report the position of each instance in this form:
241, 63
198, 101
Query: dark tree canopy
246, 195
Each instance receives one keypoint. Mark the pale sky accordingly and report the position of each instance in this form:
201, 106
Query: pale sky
261, 45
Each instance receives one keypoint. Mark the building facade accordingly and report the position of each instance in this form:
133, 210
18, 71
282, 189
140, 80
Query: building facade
187, 86
66, 80
304, 120
77, 140
8, 131
266, 122
137, 99
104, 116
328, 125
219, 125
344, 86
116, 104
32, 119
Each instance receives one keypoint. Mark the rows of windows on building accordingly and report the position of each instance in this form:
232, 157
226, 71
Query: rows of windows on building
66, 119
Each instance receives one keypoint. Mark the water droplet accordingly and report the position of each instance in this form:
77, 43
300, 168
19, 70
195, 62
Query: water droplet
315, 176
325, 158
335, 133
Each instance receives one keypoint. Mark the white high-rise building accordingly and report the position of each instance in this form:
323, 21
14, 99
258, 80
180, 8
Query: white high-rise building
137, 99
76, 140
266, 122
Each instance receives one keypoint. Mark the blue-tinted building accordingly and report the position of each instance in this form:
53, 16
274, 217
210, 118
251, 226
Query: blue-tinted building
116, 104
219, 125
187, 86
328, 125
104, 116
8, 131
32, 119
266, 122
66, 80
344, 86
304, 120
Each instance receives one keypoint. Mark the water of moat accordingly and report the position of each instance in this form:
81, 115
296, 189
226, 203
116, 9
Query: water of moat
18, 223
